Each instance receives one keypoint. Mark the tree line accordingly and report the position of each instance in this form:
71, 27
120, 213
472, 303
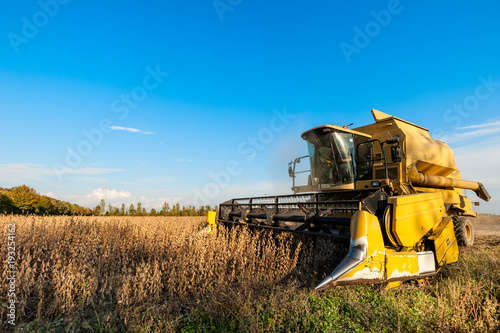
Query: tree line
138, 210
26, 200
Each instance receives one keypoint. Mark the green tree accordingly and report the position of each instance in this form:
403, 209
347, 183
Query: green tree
103, 206
25, 198
139, 209
165, 208
153, 212
82, 210
64, 207
131, 210
96, 210
122, 210
113, 211
175, 210
45, 206
6, 204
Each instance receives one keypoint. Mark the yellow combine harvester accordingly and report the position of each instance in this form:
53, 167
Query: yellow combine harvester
388, 190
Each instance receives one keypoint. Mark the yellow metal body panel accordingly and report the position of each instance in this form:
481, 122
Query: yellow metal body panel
365, 232
434, 157
453, 197
465, 206
380, 116
449, 196
211, 220
392, 285
415, 215
365, 227
401, 265
445, 242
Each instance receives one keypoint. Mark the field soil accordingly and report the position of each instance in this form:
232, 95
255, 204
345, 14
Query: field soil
486, 227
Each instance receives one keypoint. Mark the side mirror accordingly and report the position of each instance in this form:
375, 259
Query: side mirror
396, 154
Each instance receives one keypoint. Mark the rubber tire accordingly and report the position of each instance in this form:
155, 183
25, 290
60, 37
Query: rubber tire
464, 231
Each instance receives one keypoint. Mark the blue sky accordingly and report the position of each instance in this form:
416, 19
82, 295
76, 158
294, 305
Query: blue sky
201, 101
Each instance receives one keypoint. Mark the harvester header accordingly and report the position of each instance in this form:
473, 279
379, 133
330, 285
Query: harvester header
388, 192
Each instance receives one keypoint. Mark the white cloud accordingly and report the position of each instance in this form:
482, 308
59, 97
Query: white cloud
100, 193
28, 172
21, 172
82, 171
475, 132
467, 136
108, 194
252, 156
489, 124
130, 129
479, 161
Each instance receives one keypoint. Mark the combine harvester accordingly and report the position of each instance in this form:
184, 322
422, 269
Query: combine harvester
388, 190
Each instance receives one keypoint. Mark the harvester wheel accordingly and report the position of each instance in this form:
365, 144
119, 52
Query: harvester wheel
464, 231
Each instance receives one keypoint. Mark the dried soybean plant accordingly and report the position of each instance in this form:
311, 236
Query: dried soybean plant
66, 264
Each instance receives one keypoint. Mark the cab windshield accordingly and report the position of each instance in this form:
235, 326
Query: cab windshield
332, 159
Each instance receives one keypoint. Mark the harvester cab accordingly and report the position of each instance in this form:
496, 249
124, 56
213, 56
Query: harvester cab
340, 157
388, 191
